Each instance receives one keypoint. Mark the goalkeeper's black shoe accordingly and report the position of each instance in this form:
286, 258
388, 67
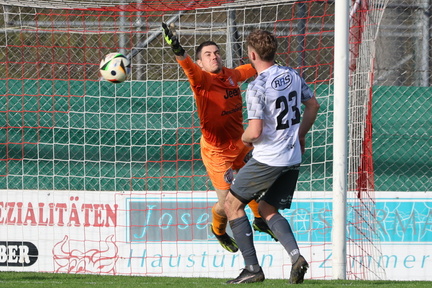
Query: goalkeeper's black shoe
248, 277
227, 242
298, 270
261, 226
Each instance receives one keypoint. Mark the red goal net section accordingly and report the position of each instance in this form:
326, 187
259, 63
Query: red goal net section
106, 178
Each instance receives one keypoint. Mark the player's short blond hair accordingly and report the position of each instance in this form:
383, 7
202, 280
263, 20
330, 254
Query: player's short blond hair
264, 43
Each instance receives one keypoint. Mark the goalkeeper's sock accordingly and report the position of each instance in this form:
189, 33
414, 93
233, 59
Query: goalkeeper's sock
219, 222
253, 205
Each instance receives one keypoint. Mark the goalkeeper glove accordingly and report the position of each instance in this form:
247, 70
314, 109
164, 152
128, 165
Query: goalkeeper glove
172, 40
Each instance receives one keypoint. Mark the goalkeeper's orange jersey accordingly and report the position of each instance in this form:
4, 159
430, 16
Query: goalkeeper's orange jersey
218, 99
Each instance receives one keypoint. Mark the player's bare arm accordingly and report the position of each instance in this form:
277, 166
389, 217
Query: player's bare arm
309, 115
252, 132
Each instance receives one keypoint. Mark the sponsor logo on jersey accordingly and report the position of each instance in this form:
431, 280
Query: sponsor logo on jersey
229, 176
231, 81
230, 93
237, 108
282, 81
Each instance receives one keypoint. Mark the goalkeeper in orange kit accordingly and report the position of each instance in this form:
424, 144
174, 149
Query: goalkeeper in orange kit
219, 104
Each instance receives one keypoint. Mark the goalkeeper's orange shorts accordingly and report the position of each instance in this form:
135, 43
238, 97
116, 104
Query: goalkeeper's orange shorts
221, 161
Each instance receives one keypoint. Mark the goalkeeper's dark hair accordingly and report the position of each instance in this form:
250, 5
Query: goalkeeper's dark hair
201, 46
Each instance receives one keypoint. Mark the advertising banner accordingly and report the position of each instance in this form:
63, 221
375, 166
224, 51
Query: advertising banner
166, 233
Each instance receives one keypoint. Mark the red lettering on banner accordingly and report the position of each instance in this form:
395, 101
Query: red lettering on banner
10, 211
60, 207
19, 221
58, 214
30, 216
87, 209
74, 216
42, 222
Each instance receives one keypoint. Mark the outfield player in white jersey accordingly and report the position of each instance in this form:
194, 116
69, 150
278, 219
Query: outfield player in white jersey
277, 132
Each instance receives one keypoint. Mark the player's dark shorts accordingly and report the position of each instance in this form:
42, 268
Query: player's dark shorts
259, 181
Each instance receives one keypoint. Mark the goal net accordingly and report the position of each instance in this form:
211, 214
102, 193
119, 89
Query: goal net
107, 178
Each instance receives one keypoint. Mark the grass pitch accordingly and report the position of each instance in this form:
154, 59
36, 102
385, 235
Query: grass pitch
31, 279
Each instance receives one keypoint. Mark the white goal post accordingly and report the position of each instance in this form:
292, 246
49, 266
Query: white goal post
340, 138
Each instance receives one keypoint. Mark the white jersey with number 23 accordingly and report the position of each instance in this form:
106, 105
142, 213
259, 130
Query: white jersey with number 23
275, 96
